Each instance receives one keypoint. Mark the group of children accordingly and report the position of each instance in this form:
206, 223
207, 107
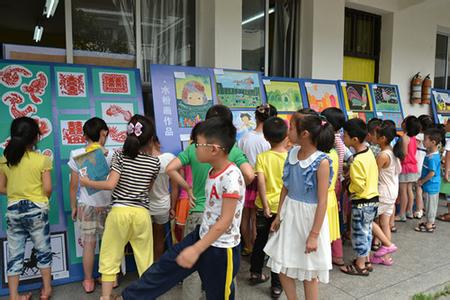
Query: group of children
284, 191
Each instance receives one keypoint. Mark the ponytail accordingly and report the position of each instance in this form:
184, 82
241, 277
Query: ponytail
24, 135
264, 112
140, 133
389, 131
320, 130
398, 147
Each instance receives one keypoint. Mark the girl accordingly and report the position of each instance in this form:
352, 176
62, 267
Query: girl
252, 144
161, 199
389, 168
132, 174
25, 177
409, 174
301, 218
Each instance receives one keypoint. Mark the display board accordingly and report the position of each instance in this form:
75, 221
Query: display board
321, 94
440, 104
387, 103
61, 98
182, 96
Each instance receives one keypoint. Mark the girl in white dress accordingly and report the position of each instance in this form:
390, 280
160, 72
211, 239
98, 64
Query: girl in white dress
300, 247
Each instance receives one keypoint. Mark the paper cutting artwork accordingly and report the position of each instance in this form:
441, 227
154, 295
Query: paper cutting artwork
36, 88
71, 84
117, 135
244, 121
13, 100
386, 98
72, 132
356, 96
117, 112
442, 101
194, 98
322, 95
284, 95
11, 75
238, 89
114, 83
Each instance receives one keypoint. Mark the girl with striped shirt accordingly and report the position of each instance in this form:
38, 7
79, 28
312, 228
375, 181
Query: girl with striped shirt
133, 171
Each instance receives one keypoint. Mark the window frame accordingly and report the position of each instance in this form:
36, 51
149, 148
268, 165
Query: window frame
447, 63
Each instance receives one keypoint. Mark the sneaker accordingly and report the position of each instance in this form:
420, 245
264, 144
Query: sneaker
418, 214
409, 215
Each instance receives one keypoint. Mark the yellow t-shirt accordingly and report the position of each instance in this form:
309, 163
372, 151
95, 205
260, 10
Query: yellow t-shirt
332, 201
271, 164
24, 181
363, 176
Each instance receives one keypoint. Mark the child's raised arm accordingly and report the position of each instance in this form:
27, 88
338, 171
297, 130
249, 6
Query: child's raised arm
323, 175
108, 184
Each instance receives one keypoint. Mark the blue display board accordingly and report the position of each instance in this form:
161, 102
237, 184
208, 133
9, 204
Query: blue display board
387, 102
61, 97
440, 104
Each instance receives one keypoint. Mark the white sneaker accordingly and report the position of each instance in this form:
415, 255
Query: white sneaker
418, 214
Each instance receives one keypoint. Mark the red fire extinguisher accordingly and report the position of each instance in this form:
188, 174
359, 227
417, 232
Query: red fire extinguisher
426, 90
416, 89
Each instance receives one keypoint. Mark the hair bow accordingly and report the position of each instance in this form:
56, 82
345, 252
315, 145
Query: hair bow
262, 108
135, 128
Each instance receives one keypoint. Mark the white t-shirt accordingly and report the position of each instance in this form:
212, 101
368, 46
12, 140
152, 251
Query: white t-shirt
99, 199
421, 151
227, 184
159, 195
252, 144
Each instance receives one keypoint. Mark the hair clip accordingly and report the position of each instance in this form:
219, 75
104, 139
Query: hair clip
135, 128
262, 108
394, 141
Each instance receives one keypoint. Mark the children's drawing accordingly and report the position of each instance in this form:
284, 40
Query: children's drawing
357, 96
72, 132
386, 98
284, 95
238, 89
322, 95
244, 121
394, 116
36, 87
287, 118
117, 112
71, 84
442, 101
194, 98
365, 116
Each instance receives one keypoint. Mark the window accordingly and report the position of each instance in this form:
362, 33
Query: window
442, 62
253, 31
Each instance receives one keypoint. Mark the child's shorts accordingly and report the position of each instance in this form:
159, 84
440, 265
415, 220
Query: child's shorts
160, 219
408, 177
25, 219
251, 191
385, 209
362, 219
91, 222
182, 211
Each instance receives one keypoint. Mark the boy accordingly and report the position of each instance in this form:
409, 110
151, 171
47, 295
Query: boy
212, 248
430, 180
196, 193
363, 189
269, 171
90, 210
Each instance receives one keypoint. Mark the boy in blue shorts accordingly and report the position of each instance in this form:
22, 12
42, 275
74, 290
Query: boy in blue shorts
212, 249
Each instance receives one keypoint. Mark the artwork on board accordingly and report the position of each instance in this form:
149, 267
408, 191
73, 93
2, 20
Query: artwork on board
284, 95
238, 89
71, 84
117, 135
72, 133
442, 101
397, 117
114, 83
30, 270
356, 96
386, 98
244, 121
286, 117
117, 112
322, 95
194, 98
365, 116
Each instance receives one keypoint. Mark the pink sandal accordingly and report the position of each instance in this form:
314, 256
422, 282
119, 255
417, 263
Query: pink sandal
89, 285
385, 250
381, 261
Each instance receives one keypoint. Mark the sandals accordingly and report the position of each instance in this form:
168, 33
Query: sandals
258, 278
353, 269
385, 250
26, 296
421, 227
275, 292
382, 261
376, 246
393, 229
88, 285
338, 262
400, 218
444, 217
368, 265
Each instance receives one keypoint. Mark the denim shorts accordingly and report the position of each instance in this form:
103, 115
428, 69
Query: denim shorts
25, 220
362, 218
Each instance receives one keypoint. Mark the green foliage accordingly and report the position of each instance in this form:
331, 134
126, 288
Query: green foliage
437, 295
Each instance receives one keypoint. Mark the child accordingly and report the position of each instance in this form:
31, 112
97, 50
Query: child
212, 249
409, 174
430, 180
132, 174
301, 219
252, 144
196, 192
161, 199
425, 122
269, 171
25, 177
363, 191
89, 210
337, 119
445, 182
389, 168
371, 139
